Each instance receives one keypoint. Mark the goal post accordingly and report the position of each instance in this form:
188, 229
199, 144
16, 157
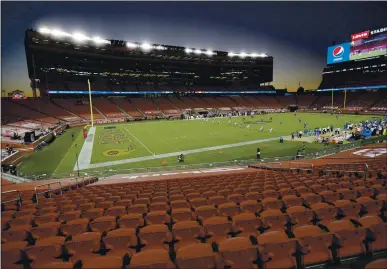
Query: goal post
91, 105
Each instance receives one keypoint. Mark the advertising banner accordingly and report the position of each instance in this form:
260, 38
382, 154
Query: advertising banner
338, 53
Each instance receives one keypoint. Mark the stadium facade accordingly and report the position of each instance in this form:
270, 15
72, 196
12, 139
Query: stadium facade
58, 61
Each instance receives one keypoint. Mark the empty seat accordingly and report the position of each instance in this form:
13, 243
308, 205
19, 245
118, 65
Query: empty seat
159, 206
311, 198
155, 236
196, 256
103, 224
378, 232
251, 206
236, 198
272, 203
14, 252
238, 252
347, 209
93, 213
315, 245
217, 200
324, 212
18, 233
364, 192
45, 250
273, 220
218, 228
132, 220
102, 262
187, 233
124, 202
246, 224
115, 211
197, 202
350, 238
120, 241
229, 209
292, 200
83, 246
21, 221
157, 217
48, 229
153, 258
370, 206
175, 204
330, 196
183, 214
70, 215
206, 211
138, 208
347, 194
300, 215
75, 227
276, 250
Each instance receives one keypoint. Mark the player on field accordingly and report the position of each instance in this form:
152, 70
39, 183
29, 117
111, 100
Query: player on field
248, 126
261, 129
271, 130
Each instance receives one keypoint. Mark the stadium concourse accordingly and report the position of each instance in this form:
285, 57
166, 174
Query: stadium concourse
234, 217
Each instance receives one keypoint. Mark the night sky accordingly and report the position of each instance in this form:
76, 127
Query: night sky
296, 34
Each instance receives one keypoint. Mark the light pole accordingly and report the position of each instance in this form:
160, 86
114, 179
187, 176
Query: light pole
76, 156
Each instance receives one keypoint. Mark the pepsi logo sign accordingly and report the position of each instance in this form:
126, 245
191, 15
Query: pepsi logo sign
338, 51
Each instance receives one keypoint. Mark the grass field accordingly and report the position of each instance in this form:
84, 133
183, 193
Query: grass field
142, 143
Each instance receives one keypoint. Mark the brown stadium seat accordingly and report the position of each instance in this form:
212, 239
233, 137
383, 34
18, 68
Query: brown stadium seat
351, 239
131, 220
103, 262
302, 190
218, 228
256, 188
18, 233
196, 256
251, 206
66, 208
347, 209
103, 224
175, 204
377, 264
253, 196
225, 192
45, 250
315, 244
209, 194
157, 217
378, 230
187, 233
292, 200
273, 220
330, 196
93, 213
347, 194
120, 241
311, 198
115, 211
142, 201
177, 197
229, 209
14, 252
324, 212
86, 206
155, 236
114, 199
240, 190
198, 202
369, 205
193, 195
83, 246
138, 208
206, 211
364, 192
70, 215
75, 227
218, 200
153, 258
21, 221
159, 199
48, 229
378, 189
236, 198
287, 191
276, 250
300, 215
270, 194
333, 186
183, 214
246, 224
238, 252
104, 204
46, 210
159, 206
272, 203
124, 202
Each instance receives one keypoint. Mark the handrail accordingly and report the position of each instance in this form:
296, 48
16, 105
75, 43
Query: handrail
348, 171
9, 201
298, 168
49, 189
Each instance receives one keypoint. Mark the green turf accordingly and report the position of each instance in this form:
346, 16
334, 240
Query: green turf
158, 137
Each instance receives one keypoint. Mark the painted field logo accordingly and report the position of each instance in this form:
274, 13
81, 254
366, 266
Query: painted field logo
118, 152
371, 153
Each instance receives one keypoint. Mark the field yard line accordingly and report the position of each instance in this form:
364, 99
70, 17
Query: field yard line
166, 155
84, 157
139, 142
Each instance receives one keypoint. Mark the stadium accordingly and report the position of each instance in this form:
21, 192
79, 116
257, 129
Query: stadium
139, 155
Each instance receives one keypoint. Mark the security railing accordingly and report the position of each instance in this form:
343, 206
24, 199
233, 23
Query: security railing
49, 190
110, 172
5, 199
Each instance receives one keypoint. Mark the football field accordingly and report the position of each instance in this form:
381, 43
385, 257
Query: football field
157, 143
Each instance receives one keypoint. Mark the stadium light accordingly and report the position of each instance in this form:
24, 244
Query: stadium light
209, 52
197, 51
79, 37
44, 30
255, 55
59, 33
146, 46
131, 45
160, 47
243, 54
99, 40
187, 50
232, 54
